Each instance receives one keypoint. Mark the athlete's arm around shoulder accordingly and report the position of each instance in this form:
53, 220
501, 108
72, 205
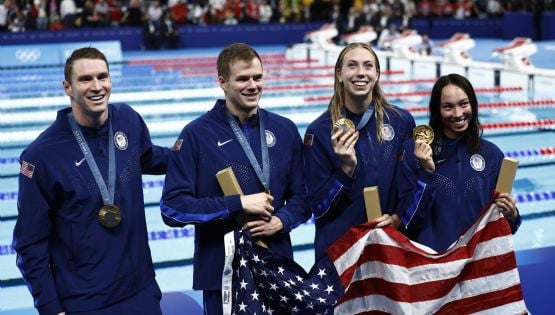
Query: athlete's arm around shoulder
154, 158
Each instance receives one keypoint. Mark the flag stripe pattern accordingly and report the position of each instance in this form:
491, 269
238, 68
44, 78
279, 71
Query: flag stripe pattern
381, 270
27, 169
308, 139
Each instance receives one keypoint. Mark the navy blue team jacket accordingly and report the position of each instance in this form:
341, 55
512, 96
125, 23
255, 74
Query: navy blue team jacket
192, 195
336, 199
68, 259
436, 208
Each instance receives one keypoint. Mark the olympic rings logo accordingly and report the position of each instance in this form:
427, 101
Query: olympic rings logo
27, 55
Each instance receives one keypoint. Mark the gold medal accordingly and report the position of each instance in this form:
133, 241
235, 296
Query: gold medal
109, 216
424, 133
344, 124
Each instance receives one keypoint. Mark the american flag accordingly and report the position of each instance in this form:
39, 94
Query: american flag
177, 145
27, 169
381, 271
308, 139
264, 283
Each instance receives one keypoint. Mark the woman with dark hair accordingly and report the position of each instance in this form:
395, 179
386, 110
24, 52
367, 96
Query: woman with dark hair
341, 161
443, 185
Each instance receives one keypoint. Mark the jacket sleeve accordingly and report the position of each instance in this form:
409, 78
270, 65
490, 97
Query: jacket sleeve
328, 186
415, 190
154, 159
30, 241
179, 204
516, 223
295, 212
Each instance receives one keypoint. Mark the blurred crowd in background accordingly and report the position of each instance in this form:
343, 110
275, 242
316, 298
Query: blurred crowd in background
163, 17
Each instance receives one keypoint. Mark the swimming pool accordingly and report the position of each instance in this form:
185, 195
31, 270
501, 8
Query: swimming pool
171, 89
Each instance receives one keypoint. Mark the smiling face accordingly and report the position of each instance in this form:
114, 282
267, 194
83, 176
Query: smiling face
243, 87
358, 74
455, 110
89, 89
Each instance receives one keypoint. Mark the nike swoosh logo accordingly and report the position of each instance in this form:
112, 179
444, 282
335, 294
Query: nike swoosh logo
80, 162
222, 143
437, 162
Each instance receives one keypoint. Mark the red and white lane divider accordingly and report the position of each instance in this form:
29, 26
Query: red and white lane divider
507, 104
283, 68
392, 95
195, 60
542, 124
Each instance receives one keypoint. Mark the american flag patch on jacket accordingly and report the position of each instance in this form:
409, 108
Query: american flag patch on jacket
177, 145
308, 139
401, 155
27, 169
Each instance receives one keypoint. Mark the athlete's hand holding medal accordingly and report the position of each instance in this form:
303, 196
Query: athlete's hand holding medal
343, 140
343, 124
424, 136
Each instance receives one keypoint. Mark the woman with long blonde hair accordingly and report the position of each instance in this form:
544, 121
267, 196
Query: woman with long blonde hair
354, 144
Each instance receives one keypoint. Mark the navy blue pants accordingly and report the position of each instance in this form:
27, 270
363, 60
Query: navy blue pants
212, 300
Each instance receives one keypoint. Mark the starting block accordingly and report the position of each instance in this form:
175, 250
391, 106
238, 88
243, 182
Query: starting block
365, 34
322, 37
517, 54
455, 49
404, 44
